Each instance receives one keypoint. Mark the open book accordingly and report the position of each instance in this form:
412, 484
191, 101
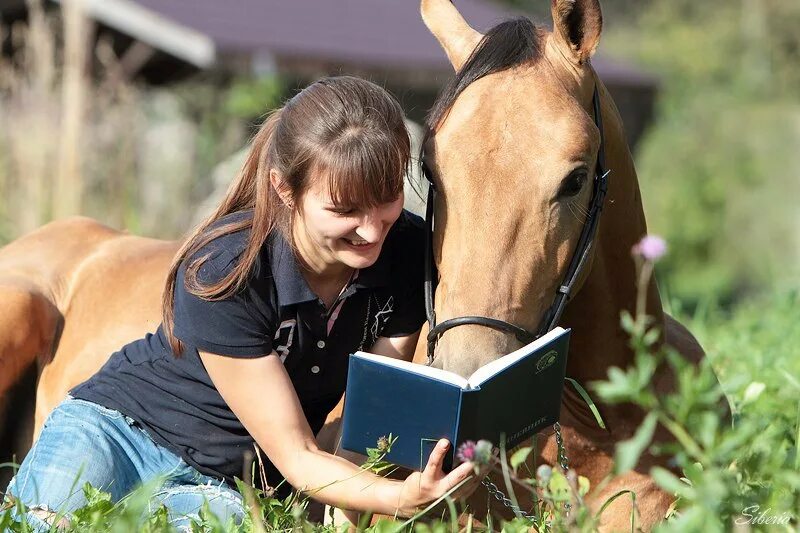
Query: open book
515, 395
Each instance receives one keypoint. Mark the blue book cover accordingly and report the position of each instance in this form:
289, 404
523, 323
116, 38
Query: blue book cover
515, 395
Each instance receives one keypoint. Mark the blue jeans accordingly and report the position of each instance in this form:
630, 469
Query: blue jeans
83, 442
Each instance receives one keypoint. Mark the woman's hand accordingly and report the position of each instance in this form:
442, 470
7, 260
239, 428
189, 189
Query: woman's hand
283, 433
421, 488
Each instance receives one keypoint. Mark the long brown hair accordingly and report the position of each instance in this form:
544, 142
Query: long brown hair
346, 129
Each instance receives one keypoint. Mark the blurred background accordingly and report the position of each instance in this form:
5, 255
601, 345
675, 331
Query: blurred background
135, 112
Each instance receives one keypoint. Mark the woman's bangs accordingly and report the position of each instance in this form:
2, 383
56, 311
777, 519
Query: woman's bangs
364, 178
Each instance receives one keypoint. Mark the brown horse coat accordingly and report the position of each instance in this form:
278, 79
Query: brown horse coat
74, 292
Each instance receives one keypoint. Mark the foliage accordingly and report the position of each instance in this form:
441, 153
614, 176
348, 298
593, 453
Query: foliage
133, 157
376, 462
718, 167
725, 470
249, 98
732, 471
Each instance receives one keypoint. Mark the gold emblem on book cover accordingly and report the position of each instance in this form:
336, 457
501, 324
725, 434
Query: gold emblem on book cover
546, 361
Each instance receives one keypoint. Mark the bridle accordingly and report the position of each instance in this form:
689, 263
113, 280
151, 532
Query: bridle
564, 291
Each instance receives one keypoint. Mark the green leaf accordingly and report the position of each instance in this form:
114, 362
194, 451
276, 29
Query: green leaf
375, 456
705, 428
651, 336
790, 378
519, 456
558, 487
620, 386
693, 472
629, 451
5, 520
583, 485
627, 322
752, 392
670, 482
589, 402
95, 496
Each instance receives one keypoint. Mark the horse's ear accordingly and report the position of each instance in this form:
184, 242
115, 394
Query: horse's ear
577, 25
451, 30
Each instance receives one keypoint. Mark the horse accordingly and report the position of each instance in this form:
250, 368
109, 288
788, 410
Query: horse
512, 146
517, 121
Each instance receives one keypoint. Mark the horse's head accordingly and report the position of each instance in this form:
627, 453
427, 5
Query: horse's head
513, 148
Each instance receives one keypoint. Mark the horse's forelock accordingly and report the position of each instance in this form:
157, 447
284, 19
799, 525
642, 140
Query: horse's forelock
509, 44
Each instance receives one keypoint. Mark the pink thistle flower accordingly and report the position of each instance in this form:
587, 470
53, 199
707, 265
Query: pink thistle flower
650, 248
466, 452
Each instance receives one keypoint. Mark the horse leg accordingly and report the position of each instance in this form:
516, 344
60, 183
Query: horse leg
28, 331
29, 326
16, 423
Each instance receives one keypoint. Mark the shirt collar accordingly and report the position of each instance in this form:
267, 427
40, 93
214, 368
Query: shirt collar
291, 286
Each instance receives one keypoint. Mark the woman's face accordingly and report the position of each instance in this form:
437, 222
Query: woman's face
351, 235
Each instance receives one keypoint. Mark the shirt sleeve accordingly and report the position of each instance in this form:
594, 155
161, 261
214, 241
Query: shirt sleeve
240, 325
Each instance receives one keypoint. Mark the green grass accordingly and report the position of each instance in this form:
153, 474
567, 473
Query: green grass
730, 474
747, 474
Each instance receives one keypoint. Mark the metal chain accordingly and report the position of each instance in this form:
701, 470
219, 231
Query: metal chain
500, 496
562, 452
562, 459
492, 489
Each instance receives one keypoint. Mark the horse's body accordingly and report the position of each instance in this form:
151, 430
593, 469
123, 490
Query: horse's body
75, 291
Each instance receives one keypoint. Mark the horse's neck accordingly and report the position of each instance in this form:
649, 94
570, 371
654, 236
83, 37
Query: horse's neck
597, 341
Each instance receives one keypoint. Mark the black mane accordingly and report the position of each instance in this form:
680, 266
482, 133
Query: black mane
509, 44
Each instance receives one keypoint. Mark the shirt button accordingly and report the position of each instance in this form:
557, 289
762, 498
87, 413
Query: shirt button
315, 369
320, 344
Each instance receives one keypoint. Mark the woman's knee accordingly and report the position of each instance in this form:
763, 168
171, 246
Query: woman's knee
70, 452
38, 518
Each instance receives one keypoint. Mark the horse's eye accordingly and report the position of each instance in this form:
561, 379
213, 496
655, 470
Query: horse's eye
573, 183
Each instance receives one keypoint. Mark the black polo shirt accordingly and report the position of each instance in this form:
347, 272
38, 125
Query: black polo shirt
174, 400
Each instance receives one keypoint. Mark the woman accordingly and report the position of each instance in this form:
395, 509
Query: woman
309, 257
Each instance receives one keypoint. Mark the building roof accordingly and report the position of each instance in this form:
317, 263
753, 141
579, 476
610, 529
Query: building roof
385, 35
360, 31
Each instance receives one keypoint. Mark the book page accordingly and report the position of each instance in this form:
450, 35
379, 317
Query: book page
436, 373
487, 371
